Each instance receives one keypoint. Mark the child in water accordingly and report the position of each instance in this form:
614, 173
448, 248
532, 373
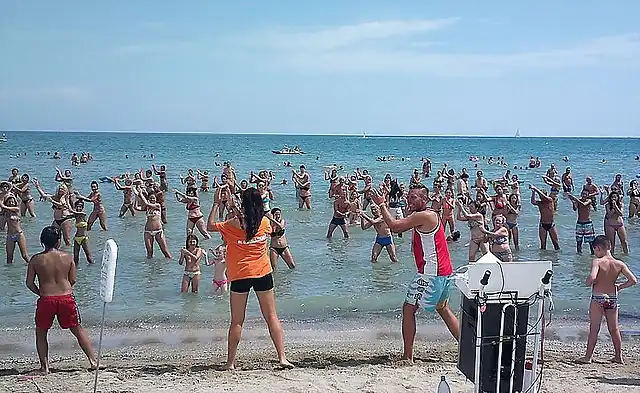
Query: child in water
220, 282
191, 255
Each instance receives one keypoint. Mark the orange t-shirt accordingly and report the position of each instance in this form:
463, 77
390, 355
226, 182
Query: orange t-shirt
246, 259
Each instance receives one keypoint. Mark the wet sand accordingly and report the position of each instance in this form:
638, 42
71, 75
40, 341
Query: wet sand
326, 361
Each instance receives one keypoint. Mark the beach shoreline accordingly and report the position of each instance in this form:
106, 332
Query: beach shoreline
364, 360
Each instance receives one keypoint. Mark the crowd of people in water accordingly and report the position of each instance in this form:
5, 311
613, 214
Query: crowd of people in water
433, 206
489, 208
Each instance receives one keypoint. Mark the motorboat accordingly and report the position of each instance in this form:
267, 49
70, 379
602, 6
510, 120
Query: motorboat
287, 150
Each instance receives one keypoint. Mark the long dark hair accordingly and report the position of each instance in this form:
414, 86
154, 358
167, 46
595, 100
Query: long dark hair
396, 191
189, 237
253, 209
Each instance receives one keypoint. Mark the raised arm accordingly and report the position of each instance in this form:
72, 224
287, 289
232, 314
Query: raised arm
13, 209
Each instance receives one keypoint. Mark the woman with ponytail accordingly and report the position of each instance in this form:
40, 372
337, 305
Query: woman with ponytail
248, 266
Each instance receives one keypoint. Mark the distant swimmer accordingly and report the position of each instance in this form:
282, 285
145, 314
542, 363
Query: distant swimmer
603, 161
565, 159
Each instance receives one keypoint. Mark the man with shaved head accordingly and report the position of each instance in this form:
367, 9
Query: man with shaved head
429, 289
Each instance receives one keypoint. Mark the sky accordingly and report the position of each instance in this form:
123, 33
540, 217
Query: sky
549, 68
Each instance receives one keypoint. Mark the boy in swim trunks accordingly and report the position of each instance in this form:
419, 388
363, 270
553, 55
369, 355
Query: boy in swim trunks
605, 270
429, 289
383, 234
56, 274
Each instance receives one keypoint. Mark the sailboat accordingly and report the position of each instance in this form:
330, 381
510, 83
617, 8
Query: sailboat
364, 134
518, 133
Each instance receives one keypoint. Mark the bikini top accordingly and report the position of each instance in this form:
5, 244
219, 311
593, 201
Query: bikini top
192, 206
81, 224
474, 224
153, 212
501, 240
278, 233
499, 204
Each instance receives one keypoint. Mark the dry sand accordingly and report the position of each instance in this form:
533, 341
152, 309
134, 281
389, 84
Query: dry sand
324, 363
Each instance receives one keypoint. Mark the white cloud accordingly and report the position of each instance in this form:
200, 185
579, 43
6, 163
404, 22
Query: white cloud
152, 47
401, 46
320, 39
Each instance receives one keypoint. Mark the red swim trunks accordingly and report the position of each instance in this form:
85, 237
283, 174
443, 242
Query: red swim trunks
64, 307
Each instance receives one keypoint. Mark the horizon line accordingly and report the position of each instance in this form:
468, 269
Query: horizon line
359, 135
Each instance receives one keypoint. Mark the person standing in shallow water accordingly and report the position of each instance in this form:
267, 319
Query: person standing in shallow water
430, 287
56, 274
605, 270
248, 266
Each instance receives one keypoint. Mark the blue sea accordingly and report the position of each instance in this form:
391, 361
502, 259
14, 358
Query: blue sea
334, 280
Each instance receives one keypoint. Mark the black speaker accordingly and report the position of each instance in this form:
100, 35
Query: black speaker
491, 319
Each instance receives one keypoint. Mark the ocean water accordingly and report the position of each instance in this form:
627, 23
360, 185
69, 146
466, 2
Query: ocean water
334, 279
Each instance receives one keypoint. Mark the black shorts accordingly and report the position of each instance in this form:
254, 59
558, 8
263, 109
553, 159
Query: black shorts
261, 284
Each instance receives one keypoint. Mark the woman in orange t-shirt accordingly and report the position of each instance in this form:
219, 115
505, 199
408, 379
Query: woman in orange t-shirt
248, 266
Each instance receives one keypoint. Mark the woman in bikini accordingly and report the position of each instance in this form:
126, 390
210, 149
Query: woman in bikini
513, 207
448, 205
153, 226
366, 191
61, 209
189, 180
11, 213
81, 238
162, 174
99, 212
475, 220
14, 178
195, 218
499, 203
204, 180
26, 199
499, 239
191, 255
332, 178
613, 221
127, 196
634, 199
221, 193
67, 180
341, 208
302, 182
248, 266
266, 196
5, 188
279, 247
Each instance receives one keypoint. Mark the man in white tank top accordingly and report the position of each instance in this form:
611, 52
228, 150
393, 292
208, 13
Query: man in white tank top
429, 289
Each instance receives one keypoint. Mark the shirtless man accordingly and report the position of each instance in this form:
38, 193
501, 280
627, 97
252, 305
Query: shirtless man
605, 270
593, 191
56, 274
547, 212
383, 234
430, 287
567, 180
584, 226
341, 208
481, 182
